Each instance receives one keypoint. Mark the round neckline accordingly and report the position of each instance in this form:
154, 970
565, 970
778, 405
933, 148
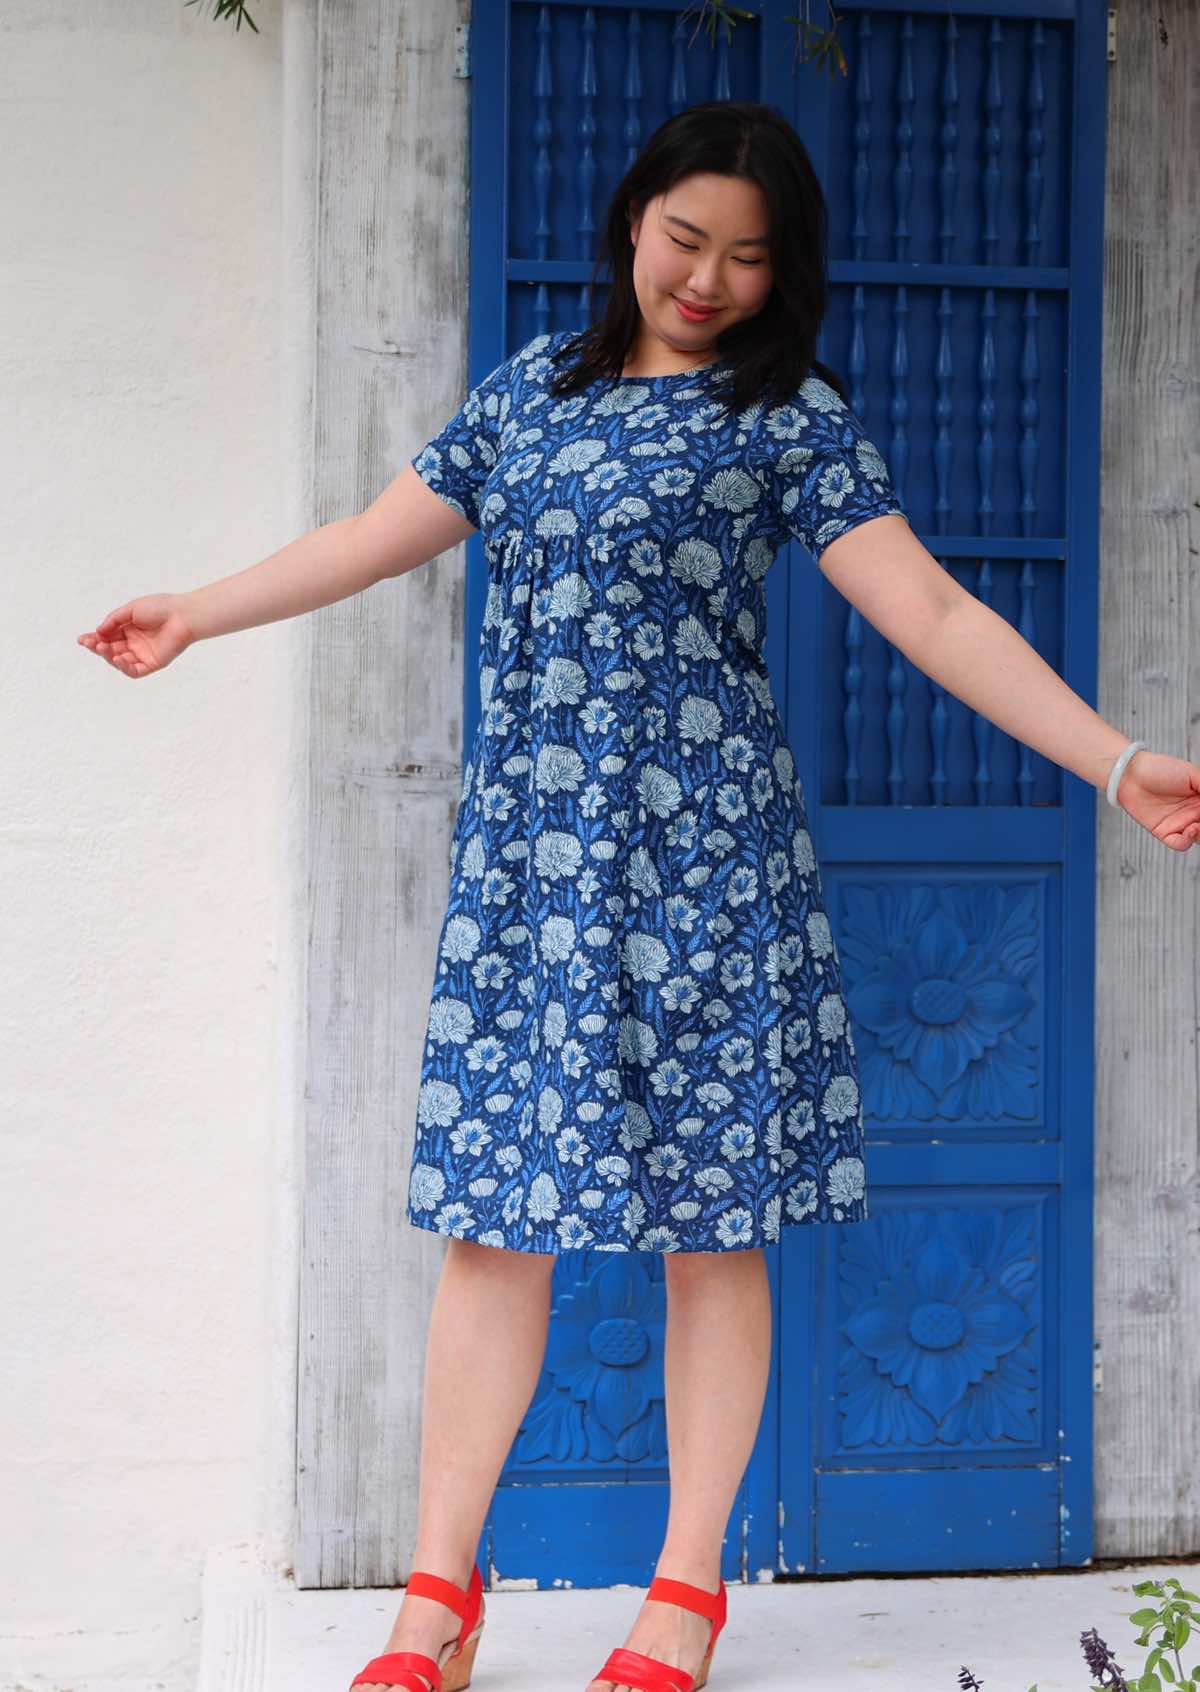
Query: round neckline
676, 375
696, 370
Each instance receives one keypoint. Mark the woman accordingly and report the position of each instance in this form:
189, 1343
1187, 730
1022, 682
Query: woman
637, 1038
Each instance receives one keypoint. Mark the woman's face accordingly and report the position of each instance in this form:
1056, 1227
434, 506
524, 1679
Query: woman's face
703, 242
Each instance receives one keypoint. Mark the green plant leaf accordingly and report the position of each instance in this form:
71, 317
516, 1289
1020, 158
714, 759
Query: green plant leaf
1144, 1618
235, 9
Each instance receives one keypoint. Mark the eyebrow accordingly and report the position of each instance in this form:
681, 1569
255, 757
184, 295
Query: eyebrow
742, 241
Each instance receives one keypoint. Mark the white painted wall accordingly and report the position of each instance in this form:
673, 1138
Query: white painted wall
154, 350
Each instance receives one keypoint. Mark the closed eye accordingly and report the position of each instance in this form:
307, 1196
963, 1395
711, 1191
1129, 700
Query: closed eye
751, 264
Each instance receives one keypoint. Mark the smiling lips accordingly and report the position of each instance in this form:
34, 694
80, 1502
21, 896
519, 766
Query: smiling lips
696, 313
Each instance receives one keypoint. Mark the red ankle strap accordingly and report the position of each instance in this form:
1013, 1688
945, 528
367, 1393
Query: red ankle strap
423, 1585
709, 1604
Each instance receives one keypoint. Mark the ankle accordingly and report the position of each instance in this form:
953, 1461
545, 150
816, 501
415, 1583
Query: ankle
696, 1571
455, 1567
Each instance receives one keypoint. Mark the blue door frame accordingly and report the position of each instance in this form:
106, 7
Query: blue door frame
929, 1404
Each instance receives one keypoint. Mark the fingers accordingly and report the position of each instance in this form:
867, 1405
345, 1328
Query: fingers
104, 636
115, 653
1183, 839
101, 639
121, 615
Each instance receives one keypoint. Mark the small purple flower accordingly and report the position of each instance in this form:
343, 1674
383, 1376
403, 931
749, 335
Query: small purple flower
1101, 1662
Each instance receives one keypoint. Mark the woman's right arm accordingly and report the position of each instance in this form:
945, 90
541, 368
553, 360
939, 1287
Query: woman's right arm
406, 526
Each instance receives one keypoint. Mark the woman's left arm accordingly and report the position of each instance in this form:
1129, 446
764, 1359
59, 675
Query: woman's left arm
898, 585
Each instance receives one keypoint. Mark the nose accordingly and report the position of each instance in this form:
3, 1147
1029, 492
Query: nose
703, 287
702, 283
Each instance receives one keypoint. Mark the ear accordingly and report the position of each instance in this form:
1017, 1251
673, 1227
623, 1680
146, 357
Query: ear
635, 224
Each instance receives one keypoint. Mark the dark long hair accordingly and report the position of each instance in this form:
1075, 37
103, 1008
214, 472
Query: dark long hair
772, 352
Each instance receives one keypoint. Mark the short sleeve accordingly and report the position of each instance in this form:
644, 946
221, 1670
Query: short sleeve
822, 474
458, 460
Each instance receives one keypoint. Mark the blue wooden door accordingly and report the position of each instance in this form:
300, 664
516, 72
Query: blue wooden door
929, 1406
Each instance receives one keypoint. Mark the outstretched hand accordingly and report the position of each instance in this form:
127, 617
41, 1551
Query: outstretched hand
1163, 794
141, 637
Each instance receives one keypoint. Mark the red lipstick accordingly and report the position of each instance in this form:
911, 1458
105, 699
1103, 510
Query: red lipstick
694, 314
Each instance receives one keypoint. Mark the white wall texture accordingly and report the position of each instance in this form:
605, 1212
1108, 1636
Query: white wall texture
154, 354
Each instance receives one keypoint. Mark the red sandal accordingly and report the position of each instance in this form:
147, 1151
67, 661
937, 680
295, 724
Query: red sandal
650, 1674
402, 1668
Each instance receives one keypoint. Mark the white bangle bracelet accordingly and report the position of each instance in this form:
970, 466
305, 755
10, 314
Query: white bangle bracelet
1118, 770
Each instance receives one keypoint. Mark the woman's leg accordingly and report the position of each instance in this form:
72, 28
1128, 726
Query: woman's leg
718, 1354
486, 1342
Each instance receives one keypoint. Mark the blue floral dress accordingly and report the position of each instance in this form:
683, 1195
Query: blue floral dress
637, 1038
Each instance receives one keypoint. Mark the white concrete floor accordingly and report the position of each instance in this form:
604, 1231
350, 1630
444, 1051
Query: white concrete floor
906, 1634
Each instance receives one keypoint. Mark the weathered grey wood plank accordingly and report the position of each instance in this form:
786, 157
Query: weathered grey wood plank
1147, 1256
385, 723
